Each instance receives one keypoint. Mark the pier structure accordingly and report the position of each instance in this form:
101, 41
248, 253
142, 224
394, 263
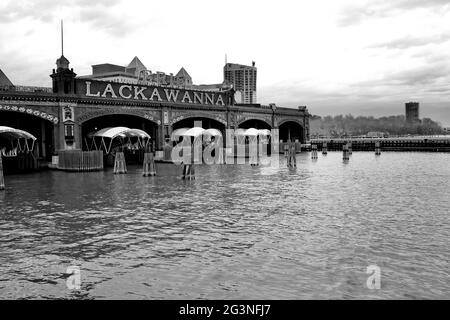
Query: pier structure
418, 143
63, 116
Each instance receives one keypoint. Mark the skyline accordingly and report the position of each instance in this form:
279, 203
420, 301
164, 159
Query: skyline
360, 57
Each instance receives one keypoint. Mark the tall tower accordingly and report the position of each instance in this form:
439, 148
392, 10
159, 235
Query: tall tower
243, 79
412, 112
63, 78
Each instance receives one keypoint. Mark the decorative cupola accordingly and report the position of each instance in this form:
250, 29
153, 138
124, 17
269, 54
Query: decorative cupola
63, 77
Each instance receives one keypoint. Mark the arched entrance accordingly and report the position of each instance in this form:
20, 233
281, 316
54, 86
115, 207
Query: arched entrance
119, 120
291, 130
42, 129
255, 123
206, 123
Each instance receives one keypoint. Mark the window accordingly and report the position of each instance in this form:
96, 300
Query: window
68, 131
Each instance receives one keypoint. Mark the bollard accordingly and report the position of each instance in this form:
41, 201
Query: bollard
314, 152
291, 161
119, 163
149, 165
324, 148
345, 154
377, 148
2, 179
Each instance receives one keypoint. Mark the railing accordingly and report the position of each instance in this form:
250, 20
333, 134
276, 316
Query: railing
76, 160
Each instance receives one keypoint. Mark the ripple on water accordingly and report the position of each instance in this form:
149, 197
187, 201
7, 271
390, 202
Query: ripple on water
235, 232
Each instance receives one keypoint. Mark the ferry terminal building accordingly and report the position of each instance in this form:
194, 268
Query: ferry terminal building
61, 117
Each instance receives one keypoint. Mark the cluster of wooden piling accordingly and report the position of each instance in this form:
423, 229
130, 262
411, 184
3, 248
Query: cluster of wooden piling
149, 165
377, 148
345, 153
291, 159
76, 160
120, 166
314, 152
324, 148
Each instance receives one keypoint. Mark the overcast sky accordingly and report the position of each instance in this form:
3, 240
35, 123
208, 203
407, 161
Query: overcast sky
365, 57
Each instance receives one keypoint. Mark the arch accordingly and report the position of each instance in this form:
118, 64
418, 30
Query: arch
35, 123
255, 123
207, 122
87, 116
177, 117
282, 121
133, 121
291, 130
31, 111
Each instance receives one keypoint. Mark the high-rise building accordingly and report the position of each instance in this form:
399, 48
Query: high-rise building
243, 79
412, 112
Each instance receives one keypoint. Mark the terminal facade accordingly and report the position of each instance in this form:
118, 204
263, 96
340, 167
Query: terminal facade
62, 117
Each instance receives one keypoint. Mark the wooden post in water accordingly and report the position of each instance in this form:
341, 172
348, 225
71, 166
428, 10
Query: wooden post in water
345, 154
324, 148
314, 152
149, 165
350, 148
377, 148
2, 179
119, 163
188, 164
291, 161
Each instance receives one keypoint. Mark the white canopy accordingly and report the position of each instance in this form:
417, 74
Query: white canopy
178, 133
194, 132
12, 133
264, 132
252, 132
121, 132
213, 132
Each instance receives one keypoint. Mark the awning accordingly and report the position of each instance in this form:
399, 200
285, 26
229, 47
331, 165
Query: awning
252, 132
123, 132
264, 132
194, 132
178, 133
213, 132
12, 133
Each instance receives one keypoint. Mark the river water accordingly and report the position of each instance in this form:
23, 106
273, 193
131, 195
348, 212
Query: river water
236, 232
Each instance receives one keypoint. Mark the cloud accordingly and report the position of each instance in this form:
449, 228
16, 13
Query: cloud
352, 15
99, 13
413, 41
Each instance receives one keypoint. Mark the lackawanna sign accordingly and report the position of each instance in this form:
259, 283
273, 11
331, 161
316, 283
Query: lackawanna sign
115, 90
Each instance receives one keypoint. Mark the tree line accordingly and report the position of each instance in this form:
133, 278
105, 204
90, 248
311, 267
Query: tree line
348, 125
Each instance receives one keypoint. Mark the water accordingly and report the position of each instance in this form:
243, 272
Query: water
236, 232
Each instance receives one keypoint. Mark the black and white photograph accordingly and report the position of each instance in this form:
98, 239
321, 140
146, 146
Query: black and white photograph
246, 151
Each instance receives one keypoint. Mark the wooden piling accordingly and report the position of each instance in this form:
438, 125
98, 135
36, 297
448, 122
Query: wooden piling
2, 178
149, 165
324, 148
291, 161
314, 152
377, 148
188, 164
119, 163
350, 149
345, 153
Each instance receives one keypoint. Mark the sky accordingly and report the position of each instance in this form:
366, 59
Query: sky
364, 57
